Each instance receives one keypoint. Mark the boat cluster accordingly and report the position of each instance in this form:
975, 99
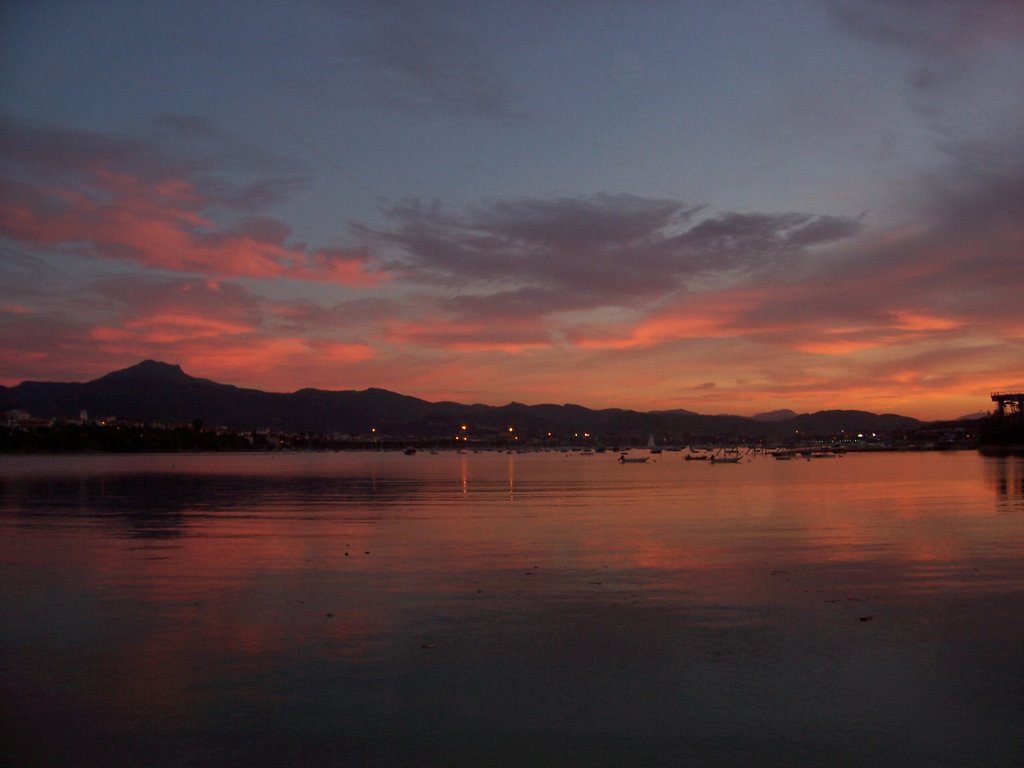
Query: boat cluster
731, 455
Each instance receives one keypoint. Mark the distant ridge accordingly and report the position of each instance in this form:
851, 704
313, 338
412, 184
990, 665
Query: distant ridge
157, 391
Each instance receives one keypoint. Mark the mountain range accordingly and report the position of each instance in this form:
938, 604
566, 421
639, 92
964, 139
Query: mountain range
156, 391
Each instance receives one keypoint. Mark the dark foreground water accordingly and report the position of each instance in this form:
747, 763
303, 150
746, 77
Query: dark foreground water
511, 610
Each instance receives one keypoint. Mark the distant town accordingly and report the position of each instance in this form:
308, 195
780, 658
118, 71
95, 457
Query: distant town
21, 432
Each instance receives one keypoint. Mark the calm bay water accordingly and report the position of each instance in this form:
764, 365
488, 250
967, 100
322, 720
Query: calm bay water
511, 610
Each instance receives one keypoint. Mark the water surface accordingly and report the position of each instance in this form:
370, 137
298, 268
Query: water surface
508, 610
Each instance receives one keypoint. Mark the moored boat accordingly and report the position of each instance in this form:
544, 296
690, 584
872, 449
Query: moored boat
624, 459
725, 459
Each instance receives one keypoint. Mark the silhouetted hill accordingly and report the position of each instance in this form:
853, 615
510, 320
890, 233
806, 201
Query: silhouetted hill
832, 422
155, 391
781, 415
976, 416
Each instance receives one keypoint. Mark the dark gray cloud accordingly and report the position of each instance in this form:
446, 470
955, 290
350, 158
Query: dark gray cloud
49, 151
598, 221
743, 241
590, 251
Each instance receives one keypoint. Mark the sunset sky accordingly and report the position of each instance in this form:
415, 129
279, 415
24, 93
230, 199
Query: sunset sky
728, 206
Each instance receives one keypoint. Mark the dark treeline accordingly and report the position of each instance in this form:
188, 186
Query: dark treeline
96, 438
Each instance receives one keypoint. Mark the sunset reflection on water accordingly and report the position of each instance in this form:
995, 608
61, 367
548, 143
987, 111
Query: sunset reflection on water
458, 609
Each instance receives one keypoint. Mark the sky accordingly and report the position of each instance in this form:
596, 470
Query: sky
730, 206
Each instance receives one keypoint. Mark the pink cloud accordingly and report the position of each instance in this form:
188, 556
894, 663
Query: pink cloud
146, 224
97, 198
276, 362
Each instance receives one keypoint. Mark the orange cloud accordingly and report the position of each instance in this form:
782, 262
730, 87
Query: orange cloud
174, 327
652, 331
916, 321
834, 347
810, 317
337, 352
705, 316
107, 333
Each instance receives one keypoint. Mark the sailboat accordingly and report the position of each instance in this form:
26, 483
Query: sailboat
726, 456
651, 446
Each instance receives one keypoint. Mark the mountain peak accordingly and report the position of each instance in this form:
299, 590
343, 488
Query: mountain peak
148, 370
783, 414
